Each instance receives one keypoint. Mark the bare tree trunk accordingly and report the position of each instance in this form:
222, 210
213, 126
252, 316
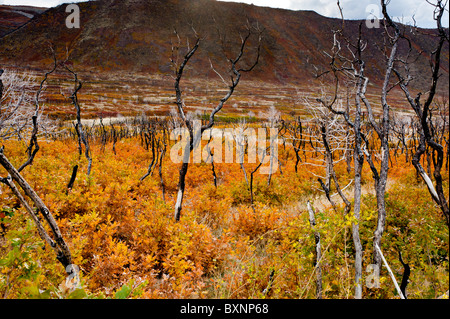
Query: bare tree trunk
358, 164
382, 130
406, 274
211, 155
63, 253
163, 187
73, 177
154, 156
182, 175
318, 268
181, 186
358, 155
57, 243
251, 183
213, 171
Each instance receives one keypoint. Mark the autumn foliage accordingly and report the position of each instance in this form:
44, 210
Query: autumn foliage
125, 241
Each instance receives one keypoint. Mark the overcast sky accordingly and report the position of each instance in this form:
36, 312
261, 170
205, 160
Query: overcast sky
402, 10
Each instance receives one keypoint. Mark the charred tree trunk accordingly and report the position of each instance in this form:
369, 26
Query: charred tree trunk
181, 187
235, 78
73, 177
406, 274
82, 138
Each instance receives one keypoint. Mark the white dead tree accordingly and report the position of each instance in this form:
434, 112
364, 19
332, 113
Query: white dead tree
241, 139
346, 66
381, 126
16, 104
330, 138
255, 146
353, 65
52, 236
318, 248
273, 117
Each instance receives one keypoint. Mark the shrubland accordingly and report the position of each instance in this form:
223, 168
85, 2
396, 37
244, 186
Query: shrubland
126, 243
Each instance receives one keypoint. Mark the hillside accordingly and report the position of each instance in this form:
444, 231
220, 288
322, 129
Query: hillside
136, 35
13, 17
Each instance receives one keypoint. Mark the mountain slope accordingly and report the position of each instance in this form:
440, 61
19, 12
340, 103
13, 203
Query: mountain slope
12, 17
136, 36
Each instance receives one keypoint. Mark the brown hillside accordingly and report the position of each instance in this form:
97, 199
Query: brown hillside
135, 36
13, 17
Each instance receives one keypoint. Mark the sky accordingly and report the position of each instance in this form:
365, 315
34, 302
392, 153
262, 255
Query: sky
401, 10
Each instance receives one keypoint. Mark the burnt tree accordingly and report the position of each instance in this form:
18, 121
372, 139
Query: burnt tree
195, 134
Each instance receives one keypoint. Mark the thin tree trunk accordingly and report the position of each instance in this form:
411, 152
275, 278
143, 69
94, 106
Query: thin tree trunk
251, 184
317, 266
73, 177
182, 176
163, 187
181, 187
406, 274
359, 160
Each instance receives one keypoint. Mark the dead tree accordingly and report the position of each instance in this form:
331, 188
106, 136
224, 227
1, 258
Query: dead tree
330, 162
350, 68
273, 116
104, 135
210, 158
72, 178
406, 274
79, 129
57, 243
241, 139
295, 129
154, 135
114, 137
16, 107
195, 136
382, 129
355, 67
150, 139
162, 152
428, 136
248, 143
329, 136
401, 128
262, 152
318, 248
